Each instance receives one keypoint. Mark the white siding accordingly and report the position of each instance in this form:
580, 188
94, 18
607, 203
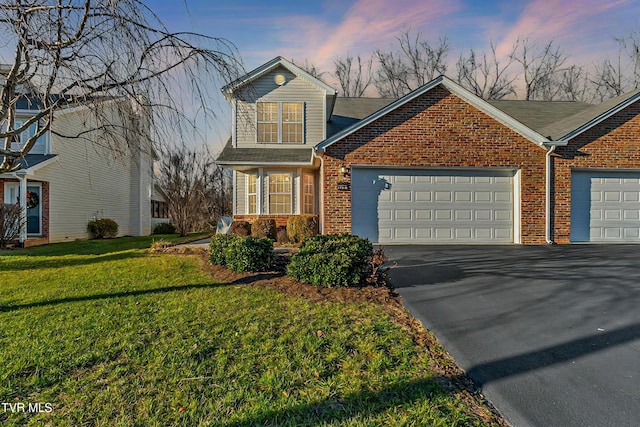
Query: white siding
240, 187
294, 90
87, 181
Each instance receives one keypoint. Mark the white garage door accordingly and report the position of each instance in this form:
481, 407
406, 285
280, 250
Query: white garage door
427, 206
605, 206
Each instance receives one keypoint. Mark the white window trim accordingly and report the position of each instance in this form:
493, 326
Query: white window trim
279, 141
313, 193
247, 194
268, 192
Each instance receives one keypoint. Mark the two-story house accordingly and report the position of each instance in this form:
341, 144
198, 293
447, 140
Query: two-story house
439, 165
67, 181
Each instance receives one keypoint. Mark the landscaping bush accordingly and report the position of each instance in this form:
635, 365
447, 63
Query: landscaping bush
333, 260
302, 227
281, 235
264, 227
220, 242
102, 228
164, 228
10, 223
249, 254
240, 228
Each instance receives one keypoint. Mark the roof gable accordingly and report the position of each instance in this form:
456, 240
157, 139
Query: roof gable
276, 62
454, 88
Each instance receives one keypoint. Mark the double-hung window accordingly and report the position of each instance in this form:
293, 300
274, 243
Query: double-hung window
280, 193
308, 202
281, 122
252, 194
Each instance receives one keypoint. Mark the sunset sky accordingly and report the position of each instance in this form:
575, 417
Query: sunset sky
322, 31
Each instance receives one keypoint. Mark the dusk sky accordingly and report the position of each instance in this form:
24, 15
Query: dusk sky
321, 31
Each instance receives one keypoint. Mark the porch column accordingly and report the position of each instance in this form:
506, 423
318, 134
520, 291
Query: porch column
22, 177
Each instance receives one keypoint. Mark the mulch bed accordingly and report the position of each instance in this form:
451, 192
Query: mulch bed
452, 377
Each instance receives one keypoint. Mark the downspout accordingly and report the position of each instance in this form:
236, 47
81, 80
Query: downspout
318, 155
548, 225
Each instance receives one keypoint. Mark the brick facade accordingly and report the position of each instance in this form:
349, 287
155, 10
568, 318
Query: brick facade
281, 220
612, 144
438, 129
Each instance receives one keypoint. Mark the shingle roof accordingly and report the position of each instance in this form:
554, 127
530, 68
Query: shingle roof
31, 160
285, 156
348, 111
539, 114
568, 124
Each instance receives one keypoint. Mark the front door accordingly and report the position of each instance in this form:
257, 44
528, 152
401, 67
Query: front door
34, 204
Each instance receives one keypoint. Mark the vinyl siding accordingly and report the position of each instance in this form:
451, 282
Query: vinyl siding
265, 90
240, 187
87, 181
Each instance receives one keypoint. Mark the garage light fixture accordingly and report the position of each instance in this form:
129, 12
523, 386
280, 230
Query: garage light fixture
346, 171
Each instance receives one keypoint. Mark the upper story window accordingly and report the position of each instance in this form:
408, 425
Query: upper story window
21, 139
280, 122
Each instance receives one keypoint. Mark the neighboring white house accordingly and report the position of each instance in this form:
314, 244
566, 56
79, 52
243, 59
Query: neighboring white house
69, 181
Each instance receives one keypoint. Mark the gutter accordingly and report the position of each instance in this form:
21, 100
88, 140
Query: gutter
319, 155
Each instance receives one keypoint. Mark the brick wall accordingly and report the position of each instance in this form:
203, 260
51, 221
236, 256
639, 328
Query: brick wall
281, 220
438, 129
612, 144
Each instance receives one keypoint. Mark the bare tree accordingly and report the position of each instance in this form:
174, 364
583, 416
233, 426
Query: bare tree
575, 85
11, 220
539, 68
486, 76
310, 68
354, 79
84, 52
414, 64
197, 190
630, 44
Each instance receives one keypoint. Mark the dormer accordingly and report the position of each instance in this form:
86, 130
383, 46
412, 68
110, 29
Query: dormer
279, 105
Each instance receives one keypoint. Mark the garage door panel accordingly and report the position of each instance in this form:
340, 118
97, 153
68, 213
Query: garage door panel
433, 206
605, 206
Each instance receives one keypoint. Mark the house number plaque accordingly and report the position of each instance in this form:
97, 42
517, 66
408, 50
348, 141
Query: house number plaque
344, 186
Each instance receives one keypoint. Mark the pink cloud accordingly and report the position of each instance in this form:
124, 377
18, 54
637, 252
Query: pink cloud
368, 24
574, 25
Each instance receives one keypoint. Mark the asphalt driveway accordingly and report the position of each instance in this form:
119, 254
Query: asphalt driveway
550, 333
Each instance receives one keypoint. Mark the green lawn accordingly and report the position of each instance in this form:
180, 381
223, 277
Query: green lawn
110, 336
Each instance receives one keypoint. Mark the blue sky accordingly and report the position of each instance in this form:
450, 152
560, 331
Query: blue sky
321, 31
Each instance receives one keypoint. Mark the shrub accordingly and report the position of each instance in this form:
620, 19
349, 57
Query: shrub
102, 228
333, 260
249, 254
264, 227
281, 235
302, 227
159, 246
220, 242
10, 222
164, 228
240, 228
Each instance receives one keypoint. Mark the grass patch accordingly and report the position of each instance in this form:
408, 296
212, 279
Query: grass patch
113, 336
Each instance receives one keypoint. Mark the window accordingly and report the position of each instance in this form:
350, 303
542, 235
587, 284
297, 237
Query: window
159, 209
280, 122
280, 194
252, 194
307, 194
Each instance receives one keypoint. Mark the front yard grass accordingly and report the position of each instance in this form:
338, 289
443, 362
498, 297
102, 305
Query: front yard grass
110, 335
